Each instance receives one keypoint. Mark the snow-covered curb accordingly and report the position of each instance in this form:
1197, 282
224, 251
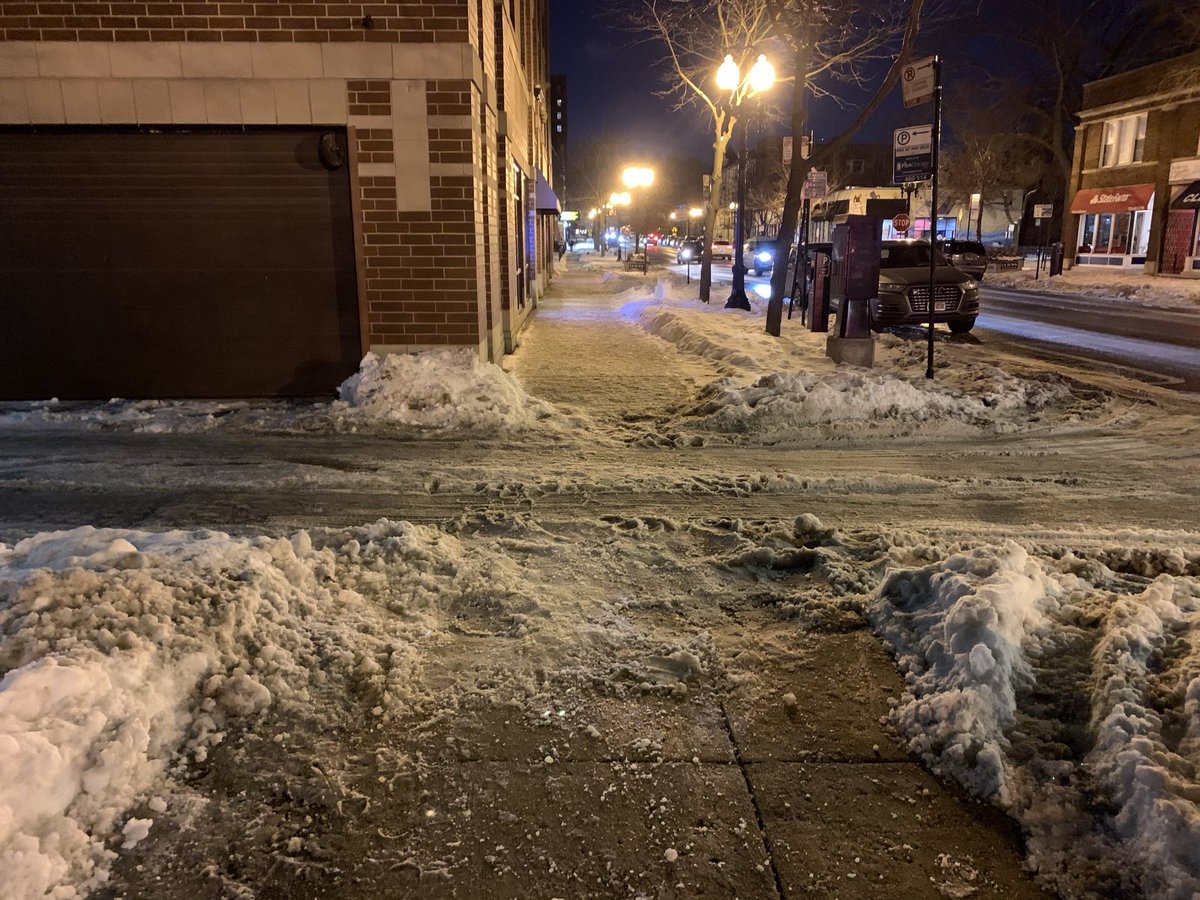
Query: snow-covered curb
1126, 287
439, 392
966, 394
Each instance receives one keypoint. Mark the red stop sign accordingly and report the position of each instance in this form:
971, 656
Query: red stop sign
901, 222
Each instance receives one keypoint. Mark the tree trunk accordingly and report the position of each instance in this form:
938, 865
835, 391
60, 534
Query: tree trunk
723, 130
791, 203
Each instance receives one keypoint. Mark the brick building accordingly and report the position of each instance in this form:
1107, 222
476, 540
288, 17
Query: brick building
1135, 180
239, 199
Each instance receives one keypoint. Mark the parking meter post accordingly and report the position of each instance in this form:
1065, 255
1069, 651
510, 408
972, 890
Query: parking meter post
933, 201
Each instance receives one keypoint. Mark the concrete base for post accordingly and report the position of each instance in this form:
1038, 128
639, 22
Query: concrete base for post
855, 351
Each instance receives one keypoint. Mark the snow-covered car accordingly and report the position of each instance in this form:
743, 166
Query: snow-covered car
722, 250
904, 288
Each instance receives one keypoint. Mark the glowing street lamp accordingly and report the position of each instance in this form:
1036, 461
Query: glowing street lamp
636, 177
729, 78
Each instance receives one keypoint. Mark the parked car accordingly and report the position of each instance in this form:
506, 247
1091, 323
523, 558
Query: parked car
722, 250
688, 251
904, 288
760, 254
966, 256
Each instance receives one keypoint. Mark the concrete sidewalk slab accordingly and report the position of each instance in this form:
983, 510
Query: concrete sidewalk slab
884, 831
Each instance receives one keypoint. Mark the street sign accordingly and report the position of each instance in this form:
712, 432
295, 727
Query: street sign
815, 186
917, 81
787, 150
1043, 210
912, 154
901, 223
569, 215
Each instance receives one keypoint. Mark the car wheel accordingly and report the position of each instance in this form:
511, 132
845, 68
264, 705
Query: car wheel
962, 326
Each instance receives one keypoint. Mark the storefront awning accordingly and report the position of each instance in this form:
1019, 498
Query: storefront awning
1190, 198
544, 195
1127, 198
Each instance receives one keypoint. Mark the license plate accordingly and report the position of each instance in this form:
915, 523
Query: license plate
942, 305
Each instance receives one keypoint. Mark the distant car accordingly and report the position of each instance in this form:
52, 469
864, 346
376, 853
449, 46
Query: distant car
722, 250
904, 288
688, 252
760, 254
652, 240
966, 256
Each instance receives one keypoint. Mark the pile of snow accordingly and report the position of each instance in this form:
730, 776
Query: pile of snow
1057, 687
803, 388
776, 403
442, 390
126, 655
1088, 281
445, 392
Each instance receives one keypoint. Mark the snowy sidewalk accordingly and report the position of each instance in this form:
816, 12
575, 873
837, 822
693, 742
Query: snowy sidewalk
666, 730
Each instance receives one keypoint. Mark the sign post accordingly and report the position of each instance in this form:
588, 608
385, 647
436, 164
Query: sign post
921, 81
1041, 212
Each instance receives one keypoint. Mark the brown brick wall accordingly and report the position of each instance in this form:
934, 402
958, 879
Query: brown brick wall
409, 21
423, 270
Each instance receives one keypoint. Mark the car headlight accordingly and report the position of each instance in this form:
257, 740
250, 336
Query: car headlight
685, 254
972, 288
764, 257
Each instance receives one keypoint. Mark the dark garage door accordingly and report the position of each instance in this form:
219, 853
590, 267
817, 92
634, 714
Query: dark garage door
176, 264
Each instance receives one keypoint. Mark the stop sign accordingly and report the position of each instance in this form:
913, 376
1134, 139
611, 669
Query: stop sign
901, 222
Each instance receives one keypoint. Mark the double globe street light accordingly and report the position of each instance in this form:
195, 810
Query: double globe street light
634, 177
729, 78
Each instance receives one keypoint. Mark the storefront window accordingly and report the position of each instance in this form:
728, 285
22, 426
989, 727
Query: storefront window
1103, 233
1141, 233
1120, 234
1087, 233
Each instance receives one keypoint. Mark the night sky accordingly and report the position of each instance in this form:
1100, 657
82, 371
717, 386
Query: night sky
612, 78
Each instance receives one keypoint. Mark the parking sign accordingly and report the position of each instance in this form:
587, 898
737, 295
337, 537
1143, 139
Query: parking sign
912, 154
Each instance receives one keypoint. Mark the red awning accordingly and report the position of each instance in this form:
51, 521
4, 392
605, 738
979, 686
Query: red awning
1128, 198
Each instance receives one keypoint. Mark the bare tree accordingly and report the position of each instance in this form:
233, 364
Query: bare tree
833, 45
592, 173
696, 37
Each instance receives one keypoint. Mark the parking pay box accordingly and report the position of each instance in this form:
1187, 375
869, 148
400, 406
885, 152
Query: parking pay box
854, 284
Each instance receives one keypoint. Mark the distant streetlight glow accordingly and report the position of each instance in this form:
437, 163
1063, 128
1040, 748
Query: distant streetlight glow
637, 177
619, 199
695, 212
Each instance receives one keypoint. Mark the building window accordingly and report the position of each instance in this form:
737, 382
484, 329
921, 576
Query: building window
855, 166
558, 128
1124, 141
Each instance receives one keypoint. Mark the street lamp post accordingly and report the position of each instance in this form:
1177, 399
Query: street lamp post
634, 177
729, 77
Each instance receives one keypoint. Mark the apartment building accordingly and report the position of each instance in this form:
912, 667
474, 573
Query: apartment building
1135, 181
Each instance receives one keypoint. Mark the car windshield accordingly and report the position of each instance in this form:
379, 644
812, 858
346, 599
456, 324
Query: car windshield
907, 256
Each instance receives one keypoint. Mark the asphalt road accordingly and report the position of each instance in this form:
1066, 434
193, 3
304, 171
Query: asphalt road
1157, 345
